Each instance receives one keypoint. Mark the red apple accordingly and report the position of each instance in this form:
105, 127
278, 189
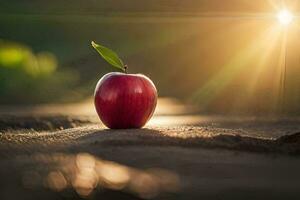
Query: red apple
125, 100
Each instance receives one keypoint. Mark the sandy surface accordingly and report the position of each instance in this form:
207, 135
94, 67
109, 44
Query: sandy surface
64, 152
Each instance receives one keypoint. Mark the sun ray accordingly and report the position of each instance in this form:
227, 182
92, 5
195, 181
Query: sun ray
214, 86
281, 73
262, 64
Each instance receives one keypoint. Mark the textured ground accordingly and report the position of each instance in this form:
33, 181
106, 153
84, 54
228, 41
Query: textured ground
63, 151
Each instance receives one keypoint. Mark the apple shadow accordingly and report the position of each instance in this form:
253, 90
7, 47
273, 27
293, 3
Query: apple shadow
144, 136
158, 138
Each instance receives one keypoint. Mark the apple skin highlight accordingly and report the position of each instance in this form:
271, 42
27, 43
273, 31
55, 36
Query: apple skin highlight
125, 101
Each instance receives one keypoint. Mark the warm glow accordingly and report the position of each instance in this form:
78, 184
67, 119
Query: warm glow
86, 173
285, 17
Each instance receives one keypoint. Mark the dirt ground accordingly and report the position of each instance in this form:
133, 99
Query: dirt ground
64, 152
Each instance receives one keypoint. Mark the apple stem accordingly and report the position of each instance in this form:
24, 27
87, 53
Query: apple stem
125, 69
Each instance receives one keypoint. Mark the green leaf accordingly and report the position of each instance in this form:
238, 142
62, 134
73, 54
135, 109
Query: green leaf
110, 56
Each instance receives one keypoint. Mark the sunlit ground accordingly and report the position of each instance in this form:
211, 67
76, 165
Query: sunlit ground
48, 145
169, 111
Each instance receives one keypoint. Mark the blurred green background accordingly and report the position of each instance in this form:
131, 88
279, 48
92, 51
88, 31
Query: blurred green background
225, 56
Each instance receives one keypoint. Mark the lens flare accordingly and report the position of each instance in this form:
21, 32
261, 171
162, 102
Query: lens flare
285, 17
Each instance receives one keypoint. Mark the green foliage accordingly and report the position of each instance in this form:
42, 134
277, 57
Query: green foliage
14, 57
110, 56
26, 77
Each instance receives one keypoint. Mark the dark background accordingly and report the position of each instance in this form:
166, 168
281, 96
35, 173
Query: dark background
225, 56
